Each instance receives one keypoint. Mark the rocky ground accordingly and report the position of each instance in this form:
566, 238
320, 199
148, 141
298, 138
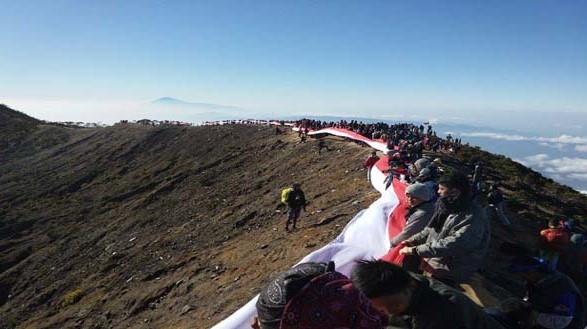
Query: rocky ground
135, 226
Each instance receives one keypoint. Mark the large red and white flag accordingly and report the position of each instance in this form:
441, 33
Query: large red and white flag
366, 236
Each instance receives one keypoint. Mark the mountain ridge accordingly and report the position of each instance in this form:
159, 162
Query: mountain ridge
133, 226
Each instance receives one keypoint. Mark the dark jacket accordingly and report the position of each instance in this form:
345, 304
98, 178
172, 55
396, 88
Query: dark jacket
436, 305
296, 198
417, 219
457, 251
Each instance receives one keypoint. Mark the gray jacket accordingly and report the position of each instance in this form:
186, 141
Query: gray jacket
458, 250
415, 223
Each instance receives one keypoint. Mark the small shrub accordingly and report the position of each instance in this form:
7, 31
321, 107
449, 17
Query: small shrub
73, 297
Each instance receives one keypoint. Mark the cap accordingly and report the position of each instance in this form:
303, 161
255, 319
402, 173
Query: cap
283, 288
330, 301
420, 191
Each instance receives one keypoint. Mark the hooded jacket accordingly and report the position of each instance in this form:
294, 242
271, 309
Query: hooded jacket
457, 250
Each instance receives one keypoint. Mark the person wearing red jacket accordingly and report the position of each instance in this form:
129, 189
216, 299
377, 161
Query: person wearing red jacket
369, 163
552, 242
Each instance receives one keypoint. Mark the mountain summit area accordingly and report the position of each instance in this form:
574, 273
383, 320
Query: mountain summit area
139, 226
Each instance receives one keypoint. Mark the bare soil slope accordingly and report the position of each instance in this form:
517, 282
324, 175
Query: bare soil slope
146, 227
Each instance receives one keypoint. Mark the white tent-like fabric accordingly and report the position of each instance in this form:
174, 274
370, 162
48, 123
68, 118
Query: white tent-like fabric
364, 237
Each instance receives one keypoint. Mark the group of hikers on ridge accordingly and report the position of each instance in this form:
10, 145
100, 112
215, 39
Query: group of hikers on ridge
443, 244
406, 138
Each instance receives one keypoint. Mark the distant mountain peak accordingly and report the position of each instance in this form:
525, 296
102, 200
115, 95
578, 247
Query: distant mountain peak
208, 106
169, 100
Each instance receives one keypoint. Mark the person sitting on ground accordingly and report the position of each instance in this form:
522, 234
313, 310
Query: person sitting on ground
455, 243
296, 200
427, 302
552, 299
426, 178
314, 296
573, 261
417, 167
419, 214
577, 227
436, 168
495, 201
552, 241
421, 164
369, 163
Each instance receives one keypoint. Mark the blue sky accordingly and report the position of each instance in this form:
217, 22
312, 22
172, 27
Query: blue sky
516, 68
444, 59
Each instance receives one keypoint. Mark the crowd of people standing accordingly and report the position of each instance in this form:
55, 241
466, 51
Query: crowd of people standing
406, 137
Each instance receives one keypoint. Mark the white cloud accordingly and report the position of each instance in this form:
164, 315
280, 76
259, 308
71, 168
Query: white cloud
512, 138
562, 139
581, 148
582, 176
558, 146
583, 192
565, 168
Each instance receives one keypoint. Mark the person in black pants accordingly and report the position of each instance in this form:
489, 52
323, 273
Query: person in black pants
296, 200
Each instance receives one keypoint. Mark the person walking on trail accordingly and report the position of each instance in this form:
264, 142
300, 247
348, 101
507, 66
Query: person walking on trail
369, 163
322, 145
303, 138
454, 245
495, 202
552, 299
296, 200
